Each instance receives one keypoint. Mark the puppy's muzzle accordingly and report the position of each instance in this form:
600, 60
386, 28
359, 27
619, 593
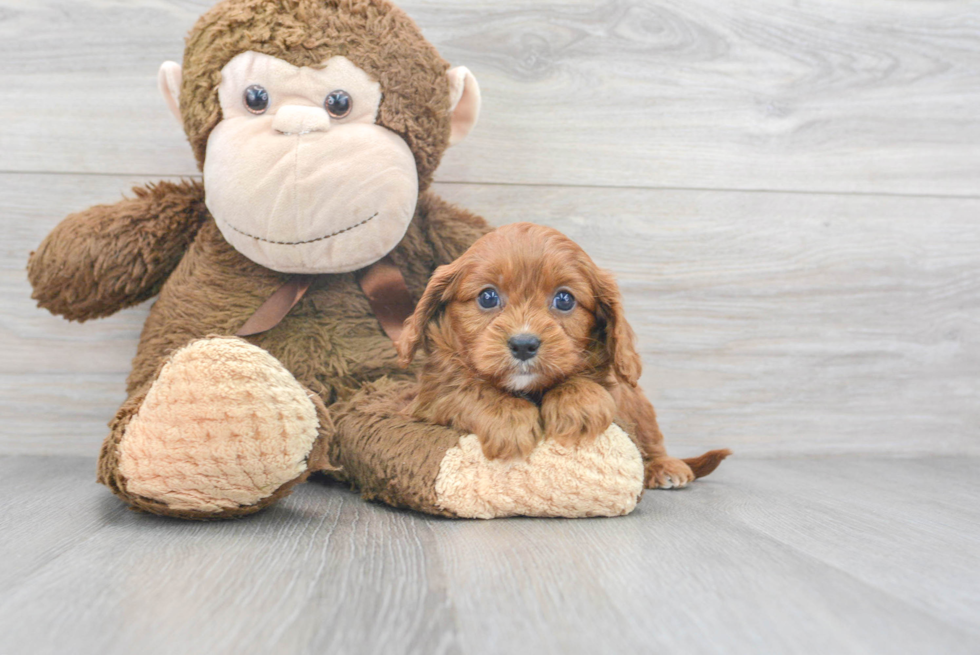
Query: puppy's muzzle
524, 346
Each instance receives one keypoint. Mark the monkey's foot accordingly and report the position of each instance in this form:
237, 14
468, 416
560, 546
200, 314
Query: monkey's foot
668, 473
223, 431
601, 477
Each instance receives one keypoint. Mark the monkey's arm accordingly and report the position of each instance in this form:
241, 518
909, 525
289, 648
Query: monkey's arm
450, 229
109, 257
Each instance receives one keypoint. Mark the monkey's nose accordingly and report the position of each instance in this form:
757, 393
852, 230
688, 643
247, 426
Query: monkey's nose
524, 346
301, 120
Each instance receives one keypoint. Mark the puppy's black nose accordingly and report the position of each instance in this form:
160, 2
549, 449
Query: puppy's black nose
524, 346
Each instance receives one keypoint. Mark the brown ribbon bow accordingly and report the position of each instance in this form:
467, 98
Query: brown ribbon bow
382, 283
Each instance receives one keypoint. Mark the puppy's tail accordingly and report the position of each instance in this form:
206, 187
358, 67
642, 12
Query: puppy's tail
707, 462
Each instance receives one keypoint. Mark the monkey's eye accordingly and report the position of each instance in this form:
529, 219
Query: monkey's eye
488, 299
256, 99
564, 301
338, 104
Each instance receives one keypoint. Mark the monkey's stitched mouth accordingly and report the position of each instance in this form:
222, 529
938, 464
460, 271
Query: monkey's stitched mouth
300, 243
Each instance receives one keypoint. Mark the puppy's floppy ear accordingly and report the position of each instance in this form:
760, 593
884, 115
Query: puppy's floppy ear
439, 291
620, 339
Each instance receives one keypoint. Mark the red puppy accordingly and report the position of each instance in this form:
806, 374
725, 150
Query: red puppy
526, 339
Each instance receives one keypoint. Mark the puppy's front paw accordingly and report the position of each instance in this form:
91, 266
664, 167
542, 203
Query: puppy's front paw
668, 473
577, 410
511, 430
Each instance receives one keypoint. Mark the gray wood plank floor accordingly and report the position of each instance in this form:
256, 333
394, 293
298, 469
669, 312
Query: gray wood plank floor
834, 555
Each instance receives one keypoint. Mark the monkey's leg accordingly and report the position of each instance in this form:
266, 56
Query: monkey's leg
223, 431
406, 462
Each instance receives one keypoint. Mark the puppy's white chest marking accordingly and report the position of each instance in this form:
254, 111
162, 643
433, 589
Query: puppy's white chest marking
521, 381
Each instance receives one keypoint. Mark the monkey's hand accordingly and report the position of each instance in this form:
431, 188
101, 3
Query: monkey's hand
577, 410
109, 257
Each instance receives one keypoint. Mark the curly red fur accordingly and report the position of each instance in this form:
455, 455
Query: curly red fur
582, 377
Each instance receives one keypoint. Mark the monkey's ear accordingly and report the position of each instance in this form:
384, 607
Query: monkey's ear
464, 103
168, 79
440, 290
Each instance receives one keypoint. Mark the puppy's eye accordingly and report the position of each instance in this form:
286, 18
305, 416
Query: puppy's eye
338, 104
256, 99
488, 299
564, 301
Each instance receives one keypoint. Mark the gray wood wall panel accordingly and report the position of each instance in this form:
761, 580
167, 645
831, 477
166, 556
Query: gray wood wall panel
769, 322
803, 322
825, 95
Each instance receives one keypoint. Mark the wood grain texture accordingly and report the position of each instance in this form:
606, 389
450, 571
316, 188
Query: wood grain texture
817, 95
834, 555
770, 323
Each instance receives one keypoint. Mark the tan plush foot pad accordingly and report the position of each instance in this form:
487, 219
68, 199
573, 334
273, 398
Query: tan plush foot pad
602, 479
223, 427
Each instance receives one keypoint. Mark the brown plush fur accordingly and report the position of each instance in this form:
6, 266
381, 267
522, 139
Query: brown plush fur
331, 341
165, 241
582, 376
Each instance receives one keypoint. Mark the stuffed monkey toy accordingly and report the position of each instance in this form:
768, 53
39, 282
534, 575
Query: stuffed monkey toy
283, 277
